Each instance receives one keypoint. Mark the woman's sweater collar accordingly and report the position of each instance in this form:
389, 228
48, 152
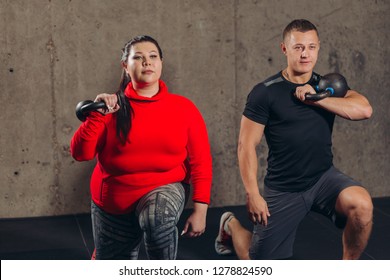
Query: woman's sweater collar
133, 95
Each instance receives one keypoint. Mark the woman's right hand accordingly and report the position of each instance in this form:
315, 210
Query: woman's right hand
195, 225
111, 101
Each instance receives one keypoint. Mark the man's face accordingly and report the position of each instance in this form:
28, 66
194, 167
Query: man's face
301, 50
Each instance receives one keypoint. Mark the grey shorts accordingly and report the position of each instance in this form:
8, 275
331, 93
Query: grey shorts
288, 209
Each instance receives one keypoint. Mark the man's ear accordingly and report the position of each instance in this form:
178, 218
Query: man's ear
283, 47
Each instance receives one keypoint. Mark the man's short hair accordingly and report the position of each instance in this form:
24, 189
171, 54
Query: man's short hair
301, 25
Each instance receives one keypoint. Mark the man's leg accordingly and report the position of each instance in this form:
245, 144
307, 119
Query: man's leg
276, 240
241, 238
355, 203
233, 237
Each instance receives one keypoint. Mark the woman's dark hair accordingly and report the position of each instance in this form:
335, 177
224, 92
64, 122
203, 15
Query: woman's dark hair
125, 113
301, 25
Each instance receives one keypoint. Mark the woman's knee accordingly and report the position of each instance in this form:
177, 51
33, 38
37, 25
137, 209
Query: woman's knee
161, 212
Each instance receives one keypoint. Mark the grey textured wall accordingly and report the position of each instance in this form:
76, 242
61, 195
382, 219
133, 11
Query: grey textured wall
59, 52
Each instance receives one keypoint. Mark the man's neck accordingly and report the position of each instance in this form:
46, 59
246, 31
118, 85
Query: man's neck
296, 78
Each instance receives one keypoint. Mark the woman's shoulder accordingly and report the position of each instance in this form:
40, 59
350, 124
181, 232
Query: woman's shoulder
181, 99
183, 105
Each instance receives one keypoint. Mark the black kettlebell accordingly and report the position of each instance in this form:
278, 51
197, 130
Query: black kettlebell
330, 85
83, 108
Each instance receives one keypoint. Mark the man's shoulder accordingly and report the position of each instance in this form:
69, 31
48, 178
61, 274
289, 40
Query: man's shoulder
274, 79
267, 83
278, 80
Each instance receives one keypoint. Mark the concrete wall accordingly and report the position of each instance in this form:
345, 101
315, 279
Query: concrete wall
56, 53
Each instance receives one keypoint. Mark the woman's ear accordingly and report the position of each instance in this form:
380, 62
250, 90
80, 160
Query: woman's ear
124, 66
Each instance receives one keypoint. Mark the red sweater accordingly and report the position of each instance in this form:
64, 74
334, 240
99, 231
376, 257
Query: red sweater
167, 143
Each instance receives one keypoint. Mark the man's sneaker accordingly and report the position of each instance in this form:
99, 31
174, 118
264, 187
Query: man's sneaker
223, 242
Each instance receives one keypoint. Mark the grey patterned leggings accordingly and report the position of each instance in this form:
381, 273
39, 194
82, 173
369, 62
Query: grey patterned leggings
155, 218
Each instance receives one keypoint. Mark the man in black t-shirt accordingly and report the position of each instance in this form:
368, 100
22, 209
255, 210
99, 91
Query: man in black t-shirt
300, 175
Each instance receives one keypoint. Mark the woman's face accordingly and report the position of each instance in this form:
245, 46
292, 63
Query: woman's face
144, 64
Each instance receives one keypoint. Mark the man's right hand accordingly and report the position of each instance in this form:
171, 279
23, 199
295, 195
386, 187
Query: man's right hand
257, 209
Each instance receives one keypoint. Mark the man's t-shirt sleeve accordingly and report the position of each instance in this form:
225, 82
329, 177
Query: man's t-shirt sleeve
257, 105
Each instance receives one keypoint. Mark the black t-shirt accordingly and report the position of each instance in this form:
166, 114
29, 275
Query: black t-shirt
299, 136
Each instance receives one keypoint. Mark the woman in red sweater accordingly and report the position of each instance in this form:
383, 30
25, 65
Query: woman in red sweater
149, 145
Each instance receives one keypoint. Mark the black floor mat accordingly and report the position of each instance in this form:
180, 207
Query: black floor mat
70, 237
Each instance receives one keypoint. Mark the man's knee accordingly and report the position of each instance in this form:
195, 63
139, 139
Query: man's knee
363, 210
356, 203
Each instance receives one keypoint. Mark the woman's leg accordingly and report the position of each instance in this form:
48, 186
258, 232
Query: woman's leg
158, 213
116, 237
